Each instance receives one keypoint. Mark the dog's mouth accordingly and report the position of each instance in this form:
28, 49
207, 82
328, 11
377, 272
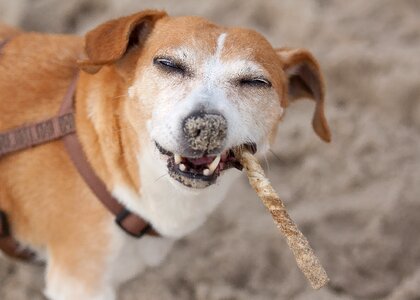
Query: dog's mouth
201, 172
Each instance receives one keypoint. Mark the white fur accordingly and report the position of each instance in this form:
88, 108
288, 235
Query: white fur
130, 256
211, 88
219, 48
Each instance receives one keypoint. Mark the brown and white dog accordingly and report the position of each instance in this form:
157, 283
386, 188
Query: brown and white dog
159, 103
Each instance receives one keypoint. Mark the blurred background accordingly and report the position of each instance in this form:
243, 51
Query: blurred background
356, 199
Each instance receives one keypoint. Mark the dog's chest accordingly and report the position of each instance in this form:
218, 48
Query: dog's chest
171, 210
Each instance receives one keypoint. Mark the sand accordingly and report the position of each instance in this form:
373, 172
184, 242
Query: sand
357, 200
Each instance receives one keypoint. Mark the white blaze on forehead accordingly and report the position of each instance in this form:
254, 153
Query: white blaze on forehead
213, 66
220, 43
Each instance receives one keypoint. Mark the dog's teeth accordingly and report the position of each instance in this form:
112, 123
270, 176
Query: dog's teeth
182, 167
177, 158
212, 167
206, 172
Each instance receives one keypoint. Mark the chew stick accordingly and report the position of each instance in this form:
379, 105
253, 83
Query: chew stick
304, 255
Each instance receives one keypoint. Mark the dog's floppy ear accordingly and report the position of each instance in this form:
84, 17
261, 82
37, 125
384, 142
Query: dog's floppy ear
108, 42
305, 81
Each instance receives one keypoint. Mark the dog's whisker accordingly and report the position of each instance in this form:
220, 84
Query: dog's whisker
120, 96
160, 177
267, 163
275, 155
157, 180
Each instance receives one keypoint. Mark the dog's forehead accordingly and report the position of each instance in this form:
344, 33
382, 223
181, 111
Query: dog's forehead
195, 34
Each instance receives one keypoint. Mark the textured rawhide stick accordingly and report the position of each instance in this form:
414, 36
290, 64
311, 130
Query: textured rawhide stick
304, 255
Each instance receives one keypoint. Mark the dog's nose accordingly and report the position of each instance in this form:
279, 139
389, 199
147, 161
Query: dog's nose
205, 132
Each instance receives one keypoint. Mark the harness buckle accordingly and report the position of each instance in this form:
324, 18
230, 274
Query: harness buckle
137, 228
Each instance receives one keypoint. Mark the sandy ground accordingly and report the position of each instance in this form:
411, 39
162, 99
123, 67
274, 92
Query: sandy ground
357, 199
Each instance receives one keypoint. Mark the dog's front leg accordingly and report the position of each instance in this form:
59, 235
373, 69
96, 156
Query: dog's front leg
65, 284
78, 268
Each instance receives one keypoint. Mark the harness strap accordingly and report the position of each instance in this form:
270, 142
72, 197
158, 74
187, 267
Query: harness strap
36, 134
131, 223
4, 42
9, 245
62, 126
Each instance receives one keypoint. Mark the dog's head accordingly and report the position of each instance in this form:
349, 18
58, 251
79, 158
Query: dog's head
196, 90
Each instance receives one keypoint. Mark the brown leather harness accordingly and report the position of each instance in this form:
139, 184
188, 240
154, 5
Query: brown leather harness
62, 126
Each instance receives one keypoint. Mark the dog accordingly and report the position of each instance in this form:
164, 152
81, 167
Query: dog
160, 102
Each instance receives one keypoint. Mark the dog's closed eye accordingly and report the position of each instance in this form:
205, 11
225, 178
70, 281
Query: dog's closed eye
258, 82
170, 65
